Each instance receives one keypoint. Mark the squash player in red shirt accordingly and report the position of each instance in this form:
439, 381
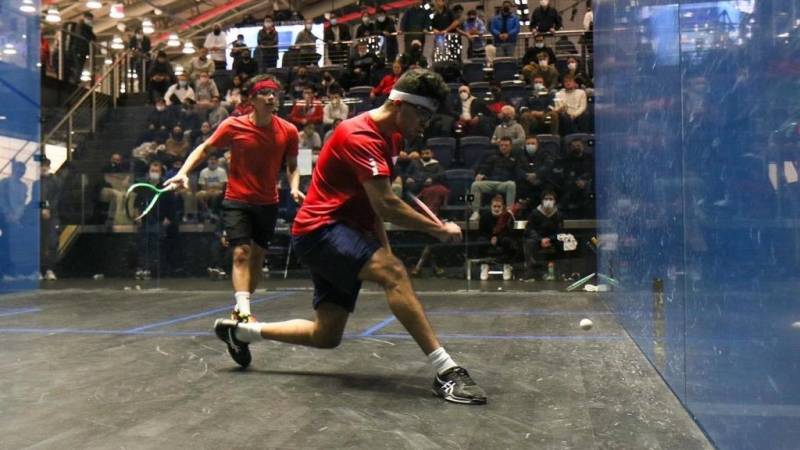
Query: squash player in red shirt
259, 143
338, 233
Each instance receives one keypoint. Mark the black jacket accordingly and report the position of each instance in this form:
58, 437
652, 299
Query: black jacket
574, 168
248, 66
545, 19
344, 33
540, 226
416, 19
540, 163
531, 55
500, 168
421, 172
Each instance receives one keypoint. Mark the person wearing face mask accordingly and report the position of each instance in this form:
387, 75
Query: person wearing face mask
505, 29
473, 28
198, 64
425, 177
179, 92
328, 84
509, 128
335, 109
575, 69
306, 40
158, 229
385, 25
216, 43
211, 188
577, 172
75, 54
496, 175
268, 45
413, 57
366, 28
307, 110
159, 121
46, 196
139, 44
238, 49
335, 34
495, 226
541, 68
471, 112
204, 89
309, 138
176, 145
571, 105
245, 66
540, 243
534, 172
160, 77
545, 18
542, 119
361, 65
415, 21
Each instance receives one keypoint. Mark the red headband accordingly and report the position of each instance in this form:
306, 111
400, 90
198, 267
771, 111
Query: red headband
264, 84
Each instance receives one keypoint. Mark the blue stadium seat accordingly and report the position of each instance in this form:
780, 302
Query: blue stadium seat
444, 149
361, 95
472, 72
479, 89
550, 143
505, 69
588, 141
459, 182
474, 149
515, 92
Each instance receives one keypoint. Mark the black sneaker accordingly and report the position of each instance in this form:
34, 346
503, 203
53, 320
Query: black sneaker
455, 385
239, 351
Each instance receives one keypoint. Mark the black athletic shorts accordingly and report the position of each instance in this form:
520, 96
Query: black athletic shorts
244, 222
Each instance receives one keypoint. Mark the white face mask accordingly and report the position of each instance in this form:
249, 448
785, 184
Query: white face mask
464, 95
182, 84
365, 20
572, 66
538, 86
308, 27
381, 18
268, 23
539, 44
333, 21
543, 63
155, 175
548, 204
530, 148
160, 108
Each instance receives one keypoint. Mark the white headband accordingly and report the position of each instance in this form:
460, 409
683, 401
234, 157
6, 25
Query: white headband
418, 100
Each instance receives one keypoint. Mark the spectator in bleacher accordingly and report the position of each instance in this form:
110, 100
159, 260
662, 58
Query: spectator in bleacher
540, 242
366, 28
416, 20
234, 95
386, 26
335, 109
77, 51
205, 132
306, 40
423, 172
578, 176
307, 110
496, 175
179, 92
471, 112
328, 85
190, 119
309, 138
204, 89
199, 64
544, 69
112, 189
139, 45
160, 78
509, 129
238, 49
335, 34
217, 113
380, 93
157, 228
496, 226
211, 187
505, 29
245, 66
328, 135
474, 29
45, 199
541, 118
300, 83
497, 102
159, 121
443, 22
268, 44
535, 173
531, 56
571, 105
215, 44
545, 18
361, 65
576, 70
412, 57
565, 47
176, 145
115, 165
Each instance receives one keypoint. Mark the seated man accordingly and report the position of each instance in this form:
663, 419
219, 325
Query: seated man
571, 105
307, 110
472, 113
211, 184
541, 117
535, 173
496, 226
179, 92
116, 180
159, 122
496, 175
544, 69
531, 56
336, 109
576, 70
204, 89
360, 66
309, 138
544, 225
509, 128
217, 113
578, 175
424, 172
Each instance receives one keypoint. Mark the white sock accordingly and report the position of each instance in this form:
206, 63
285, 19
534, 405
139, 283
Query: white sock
249, 332
441, 360
242, 302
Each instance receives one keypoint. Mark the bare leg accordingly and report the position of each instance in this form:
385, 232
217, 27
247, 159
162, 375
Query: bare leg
386, 270
324, 332
256, 264
241, 268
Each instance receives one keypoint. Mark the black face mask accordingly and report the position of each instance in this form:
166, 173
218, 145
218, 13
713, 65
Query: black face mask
471, 19
217, 32
506, 10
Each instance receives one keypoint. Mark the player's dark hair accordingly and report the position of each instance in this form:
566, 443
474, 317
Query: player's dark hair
425, 83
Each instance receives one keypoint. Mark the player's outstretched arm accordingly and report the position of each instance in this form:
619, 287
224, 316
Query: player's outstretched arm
181, 179
390, 208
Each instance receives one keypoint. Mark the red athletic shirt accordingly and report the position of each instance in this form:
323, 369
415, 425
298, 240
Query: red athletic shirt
256, 157
355, 153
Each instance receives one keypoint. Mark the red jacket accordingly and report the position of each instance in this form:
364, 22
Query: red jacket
311, 114
386, 85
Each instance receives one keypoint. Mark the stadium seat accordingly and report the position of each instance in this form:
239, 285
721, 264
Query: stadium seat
444, 149
472, 72
459, 182
505, 69
479, 89
474, 149
588, 141
550, 143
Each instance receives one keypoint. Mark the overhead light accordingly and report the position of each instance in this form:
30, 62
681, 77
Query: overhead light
108, 61
121, 27
53, 16
117, 43
86, 76
117, 11
27, 7
94, 4
147, 26
173, 40
157, 12
9, 50
188, 48
178, 70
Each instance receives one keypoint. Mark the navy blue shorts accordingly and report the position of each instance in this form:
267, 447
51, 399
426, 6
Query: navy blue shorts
335, 254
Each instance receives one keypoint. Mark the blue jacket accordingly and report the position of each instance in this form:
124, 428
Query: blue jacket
512, 30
